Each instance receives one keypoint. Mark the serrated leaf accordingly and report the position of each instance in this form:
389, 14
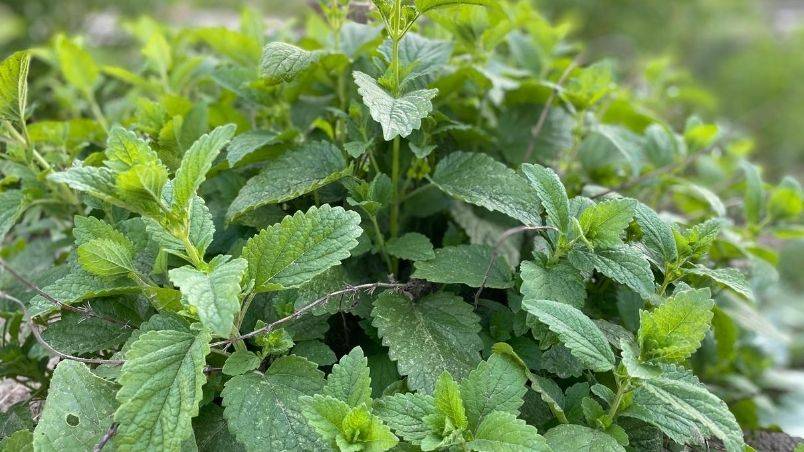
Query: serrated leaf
140, 187
325, 414
479, 179
77, 65
124, 150
502, 432
754, 198
19, 441
264, 412
683, 409
98, 182
729, 277
674, 330
465, 264
656, 235
424, 6
240, 362
89, 228
398, 116
405, 414
78, 335
436, 334
411, 246
292, 252
485, 228
106, 257
635, 367
497, 385
14, 86
559, 282
215, 293
160, 389
246, 143
622, 264
292, 174
201, 234
449, 413
79, 285
551, 193
576, 331
361, 429
196, 163
350, 380
11, 208
283, 62
212, 433
78, 409
577, 438
603, 224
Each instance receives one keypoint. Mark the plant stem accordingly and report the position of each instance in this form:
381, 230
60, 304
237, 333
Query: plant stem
97, 112
618, 398
381, 242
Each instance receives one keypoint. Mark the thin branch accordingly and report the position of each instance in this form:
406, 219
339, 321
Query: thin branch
656, 172
546, 110
106, 437
495, 251
369, 288
87, 312
38, 335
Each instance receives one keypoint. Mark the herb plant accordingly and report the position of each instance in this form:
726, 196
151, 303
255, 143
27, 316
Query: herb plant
438, 230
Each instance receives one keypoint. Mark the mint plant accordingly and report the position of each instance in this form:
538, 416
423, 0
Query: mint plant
438, 230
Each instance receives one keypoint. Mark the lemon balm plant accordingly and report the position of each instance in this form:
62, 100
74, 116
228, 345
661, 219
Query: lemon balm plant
441, 229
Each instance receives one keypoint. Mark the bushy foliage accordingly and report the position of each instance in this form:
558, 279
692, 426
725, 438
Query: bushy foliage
438, 230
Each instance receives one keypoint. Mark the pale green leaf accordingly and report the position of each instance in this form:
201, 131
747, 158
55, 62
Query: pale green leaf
754, 199
604, 223
292, 252
479, 179
398, 116
405, 414
240, 362
14, 86
465, 264
283, 62
729, 277
557, 282
683, 409
503, 432
449, 411
674, 330
79, 285
577, 438
264, 411
11, 208
551, 192
160, 389
214, 293
576, 331
411, 246
98, 182
325, 414
361, 430
140, 187
246, 143
636, 367
350, 380
124, 150
436, 334
78, 409
77, 65
294, 173
656, 235
622, 264
425, 6
497, 385
106, 257
19, 441
196, 163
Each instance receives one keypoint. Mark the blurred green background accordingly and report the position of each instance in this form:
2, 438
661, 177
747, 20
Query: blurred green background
741, 61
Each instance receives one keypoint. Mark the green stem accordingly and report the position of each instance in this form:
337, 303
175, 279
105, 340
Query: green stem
381, 242
618, 398
395, 187
97, 112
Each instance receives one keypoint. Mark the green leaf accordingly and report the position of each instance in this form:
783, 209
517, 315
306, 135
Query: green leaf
502, 432
635, 367
411, 246
14, 86
436, 334
449, 415
497, 385
246, 143
729, 277
361, 429
284, 62
398, 116
78, 409
296, 172
559, 282
211, 432
681, 407
292, 252
604, 223
608, 145
325, 414
485, 228
576, 331
196, 163
264, 411
577, 438
19, 441
106, 257
674, 330
754, 199
405, 414
77, 335
79, 285
424, 6
11, 207
465, 264
214, 293
140, 188
125, 150
551, 192
350, 380
77, 65
622, 264
160, 389
656, 235
479, 179
315, 351
98, 182
240, 362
